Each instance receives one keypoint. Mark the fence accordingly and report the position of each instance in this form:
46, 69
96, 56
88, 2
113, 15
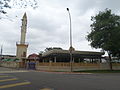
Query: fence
62, 66
51, 66
12, 64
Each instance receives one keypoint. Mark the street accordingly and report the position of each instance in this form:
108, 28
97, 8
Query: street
37, 80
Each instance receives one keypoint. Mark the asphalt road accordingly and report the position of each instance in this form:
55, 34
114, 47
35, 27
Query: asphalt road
36, 80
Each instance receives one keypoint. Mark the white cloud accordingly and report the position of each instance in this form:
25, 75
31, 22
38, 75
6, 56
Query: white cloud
48, 26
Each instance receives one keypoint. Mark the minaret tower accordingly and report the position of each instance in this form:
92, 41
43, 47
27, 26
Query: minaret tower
22, 45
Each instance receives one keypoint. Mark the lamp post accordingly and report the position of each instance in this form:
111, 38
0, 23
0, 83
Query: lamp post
71, 48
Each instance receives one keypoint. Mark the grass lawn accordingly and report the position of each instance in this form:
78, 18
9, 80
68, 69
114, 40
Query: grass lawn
100, 71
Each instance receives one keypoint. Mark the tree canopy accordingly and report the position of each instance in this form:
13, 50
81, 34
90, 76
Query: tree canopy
16, 4
105, 32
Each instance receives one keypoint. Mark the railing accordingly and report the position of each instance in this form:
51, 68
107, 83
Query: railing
25, 43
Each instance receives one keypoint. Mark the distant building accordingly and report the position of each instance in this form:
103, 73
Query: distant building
33, 57
8, 57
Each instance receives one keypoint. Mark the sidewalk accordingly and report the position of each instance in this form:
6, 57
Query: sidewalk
6, 69
63, 72
11, 70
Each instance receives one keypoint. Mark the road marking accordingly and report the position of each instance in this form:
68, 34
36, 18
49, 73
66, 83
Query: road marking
46, 89
16, 84
8, 79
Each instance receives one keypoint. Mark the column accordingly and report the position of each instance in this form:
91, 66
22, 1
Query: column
55, 59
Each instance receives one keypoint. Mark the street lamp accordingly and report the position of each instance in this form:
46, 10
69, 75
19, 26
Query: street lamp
71, 48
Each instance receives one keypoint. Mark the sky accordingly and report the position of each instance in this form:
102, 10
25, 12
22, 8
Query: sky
48, 25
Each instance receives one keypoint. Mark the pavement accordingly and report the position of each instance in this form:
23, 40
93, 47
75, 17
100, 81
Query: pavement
65, 72
11, 70
37, 80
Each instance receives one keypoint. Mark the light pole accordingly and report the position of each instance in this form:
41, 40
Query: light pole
71, 48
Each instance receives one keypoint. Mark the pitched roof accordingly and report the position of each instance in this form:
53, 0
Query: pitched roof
55, 51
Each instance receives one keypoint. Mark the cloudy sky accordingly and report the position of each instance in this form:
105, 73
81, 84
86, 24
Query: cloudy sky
48, 25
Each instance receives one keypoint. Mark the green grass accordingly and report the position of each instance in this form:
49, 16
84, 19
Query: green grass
99, 71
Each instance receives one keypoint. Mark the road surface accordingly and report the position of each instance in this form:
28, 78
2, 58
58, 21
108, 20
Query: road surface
37, 80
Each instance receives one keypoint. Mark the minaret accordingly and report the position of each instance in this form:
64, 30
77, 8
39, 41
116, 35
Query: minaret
22, 45
23, 29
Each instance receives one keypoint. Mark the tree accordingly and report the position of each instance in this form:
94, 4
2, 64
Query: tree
105, 33
4, 4
16, 3
48, 49
40, 55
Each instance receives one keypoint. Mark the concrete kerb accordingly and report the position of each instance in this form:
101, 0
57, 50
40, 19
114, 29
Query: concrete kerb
60, 72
